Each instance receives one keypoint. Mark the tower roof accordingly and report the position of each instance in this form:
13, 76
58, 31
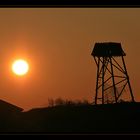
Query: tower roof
108, 49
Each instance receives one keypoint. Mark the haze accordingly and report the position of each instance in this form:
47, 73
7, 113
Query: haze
58, 42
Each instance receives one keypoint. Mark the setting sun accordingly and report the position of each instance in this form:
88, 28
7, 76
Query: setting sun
20, 67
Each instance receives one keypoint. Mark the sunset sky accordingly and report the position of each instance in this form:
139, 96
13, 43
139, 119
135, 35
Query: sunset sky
57, 43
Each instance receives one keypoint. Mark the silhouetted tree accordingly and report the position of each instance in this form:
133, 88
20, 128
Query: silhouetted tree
85, 102
62, 102
59, 102
69, 102
51, 102
78, 102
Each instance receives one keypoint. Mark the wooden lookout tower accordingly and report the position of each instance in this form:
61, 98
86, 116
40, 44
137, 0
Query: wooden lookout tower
112, 77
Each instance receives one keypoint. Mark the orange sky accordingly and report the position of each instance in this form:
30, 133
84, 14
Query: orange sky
58, 42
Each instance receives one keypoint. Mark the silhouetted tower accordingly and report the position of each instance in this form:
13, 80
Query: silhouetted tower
112, 77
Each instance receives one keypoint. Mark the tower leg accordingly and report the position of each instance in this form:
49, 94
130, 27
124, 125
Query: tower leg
98, 67
132, 97
103, 82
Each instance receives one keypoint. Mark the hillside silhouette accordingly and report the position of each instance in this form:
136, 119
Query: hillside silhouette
109, 118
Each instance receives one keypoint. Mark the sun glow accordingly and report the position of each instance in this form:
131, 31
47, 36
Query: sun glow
20, 67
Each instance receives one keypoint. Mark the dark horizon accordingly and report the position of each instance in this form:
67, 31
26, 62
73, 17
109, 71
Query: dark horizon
120, 118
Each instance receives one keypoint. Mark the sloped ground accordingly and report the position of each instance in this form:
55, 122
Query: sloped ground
111, 118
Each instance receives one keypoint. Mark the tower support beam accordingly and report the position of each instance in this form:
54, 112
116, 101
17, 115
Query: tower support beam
128, 80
